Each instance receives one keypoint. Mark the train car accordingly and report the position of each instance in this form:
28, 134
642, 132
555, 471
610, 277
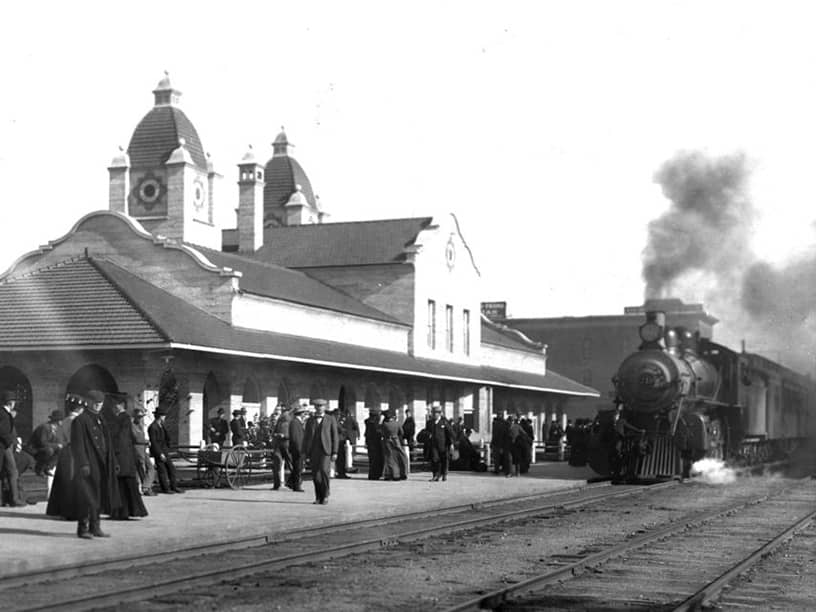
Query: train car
680, 398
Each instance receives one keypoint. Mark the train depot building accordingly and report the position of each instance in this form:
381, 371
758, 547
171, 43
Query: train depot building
151, 297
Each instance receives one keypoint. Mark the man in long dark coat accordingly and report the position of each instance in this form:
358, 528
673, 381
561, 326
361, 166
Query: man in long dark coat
440, 441
160, 451
296, 451
349, 432
95, 468
374, 444
8, 440
218, 428
321, 441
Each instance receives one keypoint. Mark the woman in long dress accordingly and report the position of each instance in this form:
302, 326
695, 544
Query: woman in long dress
396, 467
125, 451
62, 498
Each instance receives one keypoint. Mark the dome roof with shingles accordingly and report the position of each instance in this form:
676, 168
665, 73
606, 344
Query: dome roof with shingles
283, 174
158, 133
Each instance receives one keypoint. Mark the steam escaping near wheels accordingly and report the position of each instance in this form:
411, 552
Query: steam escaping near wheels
713, 471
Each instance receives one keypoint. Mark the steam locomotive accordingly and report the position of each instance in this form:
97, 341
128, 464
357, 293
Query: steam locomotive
681, 398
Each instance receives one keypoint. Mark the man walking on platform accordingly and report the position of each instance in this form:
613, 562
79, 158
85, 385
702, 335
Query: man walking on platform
96, 468
160, 451
440, 439
321, 441
295, 481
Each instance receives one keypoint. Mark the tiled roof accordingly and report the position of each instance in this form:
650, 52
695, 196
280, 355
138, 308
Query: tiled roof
353, 243
157, 136
282, 174
69, 304
277, 282
97, 303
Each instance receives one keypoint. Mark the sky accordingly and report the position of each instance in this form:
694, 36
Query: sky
540, 125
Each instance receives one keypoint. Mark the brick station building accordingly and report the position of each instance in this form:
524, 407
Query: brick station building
151, 296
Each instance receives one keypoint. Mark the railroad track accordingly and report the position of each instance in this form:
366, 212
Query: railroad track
106, 584
680, 566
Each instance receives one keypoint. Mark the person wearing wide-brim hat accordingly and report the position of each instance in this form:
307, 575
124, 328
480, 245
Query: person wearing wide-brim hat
374, 443
62, 498
218, 429
95, 468
160, 451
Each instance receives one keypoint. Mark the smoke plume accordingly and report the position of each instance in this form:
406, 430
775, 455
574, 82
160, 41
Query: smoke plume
707, 226
700, 250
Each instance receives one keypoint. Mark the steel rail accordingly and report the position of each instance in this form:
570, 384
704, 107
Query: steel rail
73, 570
703, 597
206, 577
497, 597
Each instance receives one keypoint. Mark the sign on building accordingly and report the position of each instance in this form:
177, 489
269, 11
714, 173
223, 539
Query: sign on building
495, 311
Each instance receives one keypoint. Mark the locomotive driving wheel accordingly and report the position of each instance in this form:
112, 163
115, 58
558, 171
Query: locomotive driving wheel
234, 467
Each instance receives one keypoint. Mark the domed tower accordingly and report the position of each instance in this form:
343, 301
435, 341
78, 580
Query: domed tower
288, 195
165, 180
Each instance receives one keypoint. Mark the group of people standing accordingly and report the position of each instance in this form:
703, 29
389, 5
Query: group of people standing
95, 464
512, 444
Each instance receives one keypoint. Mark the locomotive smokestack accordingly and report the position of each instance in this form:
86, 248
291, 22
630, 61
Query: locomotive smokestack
651, 332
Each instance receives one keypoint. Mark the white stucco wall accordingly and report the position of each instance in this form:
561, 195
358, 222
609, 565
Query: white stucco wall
509, 359
253, 312
445, 272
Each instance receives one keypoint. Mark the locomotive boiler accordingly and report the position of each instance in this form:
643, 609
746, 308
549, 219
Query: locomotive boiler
680, 398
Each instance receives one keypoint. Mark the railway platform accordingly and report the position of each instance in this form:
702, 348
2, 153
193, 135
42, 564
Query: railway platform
30, 541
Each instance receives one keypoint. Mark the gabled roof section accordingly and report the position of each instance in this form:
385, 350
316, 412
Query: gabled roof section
354, 243
269, 280
507, 337
93, 303
70, 304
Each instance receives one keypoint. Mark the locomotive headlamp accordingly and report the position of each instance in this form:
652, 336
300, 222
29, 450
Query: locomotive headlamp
650, 332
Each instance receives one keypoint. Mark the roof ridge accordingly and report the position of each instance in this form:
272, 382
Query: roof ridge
365, 221
52, 266
126, 296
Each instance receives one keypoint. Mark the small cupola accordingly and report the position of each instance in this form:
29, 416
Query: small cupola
281, 145
165, 94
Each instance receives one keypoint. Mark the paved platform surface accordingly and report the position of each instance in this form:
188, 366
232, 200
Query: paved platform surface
30, 540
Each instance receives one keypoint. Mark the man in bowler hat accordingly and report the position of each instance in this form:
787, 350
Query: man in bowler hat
440, 439
321, 441
296, 451
160, 451
95, 464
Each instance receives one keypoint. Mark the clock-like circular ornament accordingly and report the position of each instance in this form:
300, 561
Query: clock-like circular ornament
450, 254
199, 194
150, 190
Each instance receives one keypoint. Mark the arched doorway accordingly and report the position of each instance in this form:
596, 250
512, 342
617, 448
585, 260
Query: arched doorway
211, 399
95, 377
12, 379
283, 394
396, 403
251, 399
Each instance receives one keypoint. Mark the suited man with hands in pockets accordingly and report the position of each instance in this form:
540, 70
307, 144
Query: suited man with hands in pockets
321, 442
